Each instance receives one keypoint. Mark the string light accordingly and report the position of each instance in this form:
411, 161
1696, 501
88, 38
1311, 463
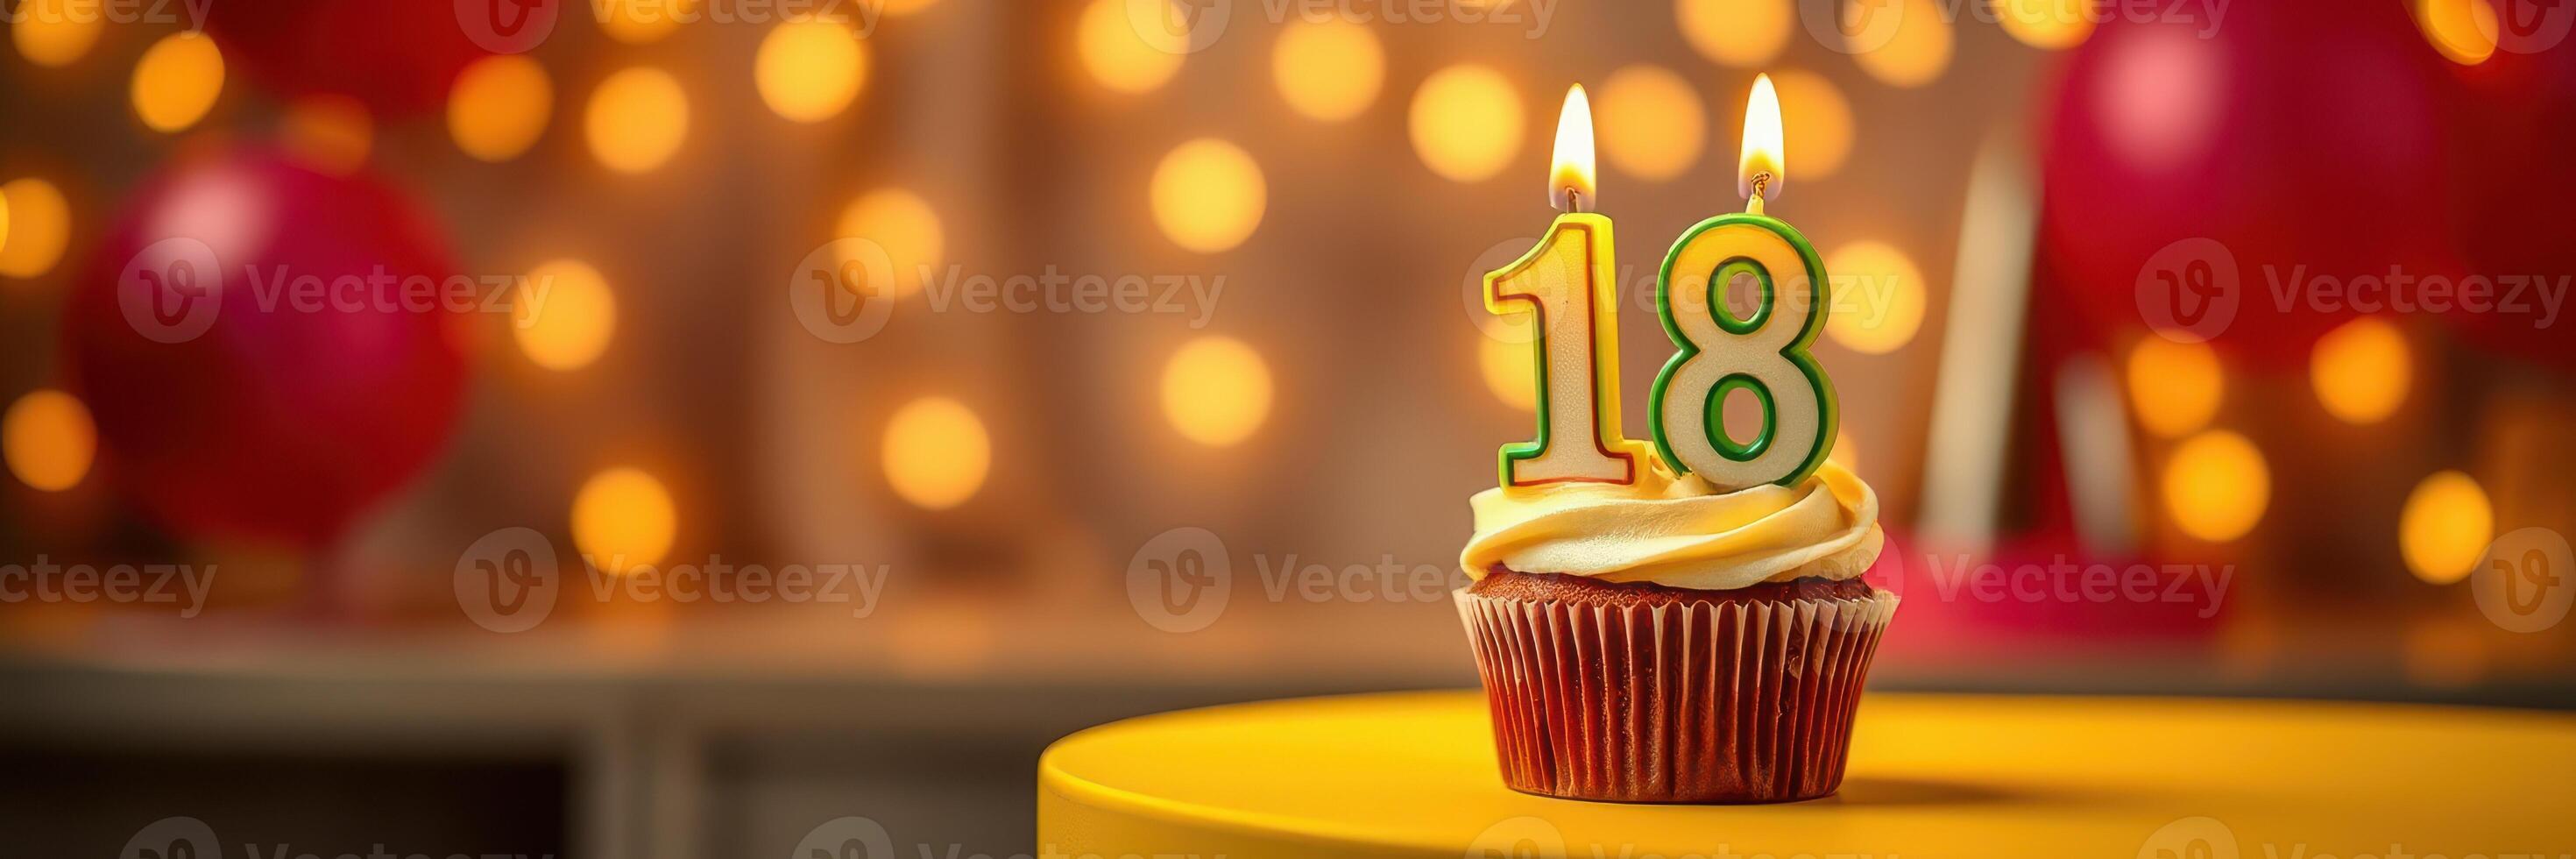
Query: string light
2216, 486
1216, 391
2361, 370
1123, 55
623, 519
1746, 34
1466, 122
55, 33
1507, 370
2445, 527
1818, 118
1906, 47
809, 70
177, 81
48, 439
1328, 69
499, 106
936, 453
2052, 25
1208, 195
40, 225
1652, 123
2174, 388
904, 225
564, 315
1878, 298
637, 120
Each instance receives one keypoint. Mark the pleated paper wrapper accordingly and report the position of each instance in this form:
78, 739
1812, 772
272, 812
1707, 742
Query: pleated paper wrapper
1689, 702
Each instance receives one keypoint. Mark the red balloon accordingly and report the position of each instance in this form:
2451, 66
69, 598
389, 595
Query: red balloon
2257, 180
253, 342
2513, 187
398, 56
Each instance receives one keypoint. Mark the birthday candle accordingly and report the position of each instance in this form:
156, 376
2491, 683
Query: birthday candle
1764, 353
1566, 286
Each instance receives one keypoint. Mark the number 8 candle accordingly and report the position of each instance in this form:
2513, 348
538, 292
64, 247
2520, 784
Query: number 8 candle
1568, 284
1764, 353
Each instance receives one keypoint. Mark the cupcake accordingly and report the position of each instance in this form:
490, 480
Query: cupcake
1667, 642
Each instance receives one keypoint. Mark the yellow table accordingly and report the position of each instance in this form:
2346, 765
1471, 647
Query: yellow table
1931, 776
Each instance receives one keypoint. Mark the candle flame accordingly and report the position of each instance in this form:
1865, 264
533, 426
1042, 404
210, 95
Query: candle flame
1759, 171
1570, 184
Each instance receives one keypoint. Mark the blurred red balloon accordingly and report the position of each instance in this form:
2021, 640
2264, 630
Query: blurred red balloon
398, 56
2514, 193
2256, 180
253, 341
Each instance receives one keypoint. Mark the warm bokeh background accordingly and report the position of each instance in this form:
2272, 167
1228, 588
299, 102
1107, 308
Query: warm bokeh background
2012, 189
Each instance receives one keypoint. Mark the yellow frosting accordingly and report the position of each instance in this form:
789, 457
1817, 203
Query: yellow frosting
1679, 531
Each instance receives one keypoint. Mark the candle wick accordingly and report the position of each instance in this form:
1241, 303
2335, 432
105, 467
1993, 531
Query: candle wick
1761, 184
1573, 200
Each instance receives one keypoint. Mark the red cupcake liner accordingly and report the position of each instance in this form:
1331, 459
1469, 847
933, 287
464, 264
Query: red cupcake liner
1707, 702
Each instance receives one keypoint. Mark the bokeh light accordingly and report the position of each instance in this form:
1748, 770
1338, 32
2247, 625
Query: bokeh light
328, 131
1908, 46
499, 106
1508, 372
1208, 195
48, 440
936, 453
2463, 30
903, 224
564, 315
1216, 390
2174, 388
2053, 25
809, 70
2160, 97
1652, 124
1117, 51
40, 224
1746, 34
1328, 69
2445, 527
177, 81
623, 519
903, 7
637, 120
1846, 452
638, 22
2361, 370
1878, 298
1817, 121
2216, 486
55, 33
1466, 122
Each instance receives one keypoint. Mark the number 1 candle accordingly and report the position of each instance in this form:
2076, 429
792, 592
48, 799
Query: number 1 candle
1568, 289
1764, 353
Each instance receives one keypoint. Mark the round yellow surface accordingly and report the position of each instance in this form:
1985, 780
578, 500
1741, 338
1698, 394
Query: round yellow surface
1931, 776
